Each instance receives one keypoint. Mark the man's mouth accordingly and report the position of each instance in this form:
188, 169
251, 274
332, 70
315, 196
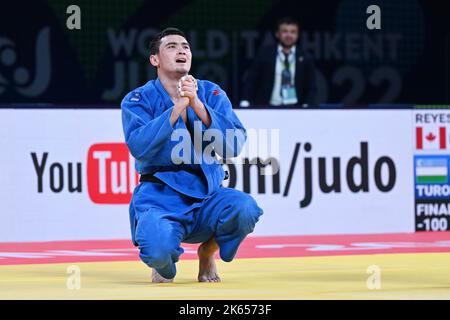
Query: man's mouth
180, 60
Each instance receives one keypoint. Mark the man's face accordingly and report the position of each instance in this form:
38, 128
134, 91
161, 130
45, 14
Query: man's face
174, 55
287, 34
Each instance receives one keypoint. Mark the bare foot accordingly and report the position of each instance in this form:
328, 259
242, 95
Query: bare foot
157, 278
207, 266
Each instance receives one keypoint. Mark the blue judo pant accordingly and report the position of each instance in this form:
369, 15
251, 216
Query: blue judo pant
229, 215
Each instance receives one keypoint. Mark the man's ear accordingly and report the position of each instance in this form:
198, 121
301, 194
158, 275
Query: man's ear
154, 60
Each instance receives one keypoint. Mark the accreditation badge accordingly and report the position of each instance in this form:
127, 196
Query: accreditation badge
289, 95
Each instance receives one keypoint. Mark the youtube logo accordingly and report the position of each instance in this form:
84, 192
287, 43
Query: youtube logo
111, 173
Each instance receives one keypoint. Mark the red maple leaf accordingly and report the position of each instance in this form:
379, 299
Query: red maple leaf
430, 137
216, 92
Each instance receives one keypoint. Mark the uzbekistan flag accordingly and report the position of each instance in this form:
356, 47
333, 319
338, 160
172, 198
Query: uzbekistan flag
432, 170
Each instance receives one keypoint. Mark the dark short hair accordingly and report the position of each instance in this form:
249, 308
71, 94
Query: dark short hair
156, 41
286, 20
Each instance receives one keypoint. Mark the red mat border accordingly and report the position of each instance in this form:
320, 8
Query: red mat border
253, 247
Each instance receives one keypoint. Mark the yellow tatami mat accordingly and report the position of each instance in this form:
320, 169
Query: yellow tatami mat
384, 276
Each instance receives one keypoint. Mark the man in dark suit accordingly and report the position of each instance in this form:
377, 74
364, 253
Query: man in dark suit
281, 74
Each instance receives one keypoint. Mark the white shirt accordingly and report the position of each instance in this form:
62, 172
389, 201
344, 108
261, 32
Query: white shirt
276, 98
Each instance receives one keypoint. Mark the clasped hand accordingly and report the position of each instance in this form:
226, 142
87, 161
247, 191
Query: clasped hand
187, 89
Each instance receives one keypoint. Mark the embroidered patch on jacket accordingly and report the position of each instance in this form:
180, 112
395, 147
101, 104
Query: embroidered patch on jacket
216, 92
135, 97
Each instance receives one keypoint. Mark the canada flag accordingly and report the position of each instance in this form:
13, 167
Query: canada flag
431, 138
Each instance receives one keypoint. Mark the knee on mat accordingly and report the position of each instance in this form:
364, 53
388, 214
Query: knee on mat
228, 250
155, 258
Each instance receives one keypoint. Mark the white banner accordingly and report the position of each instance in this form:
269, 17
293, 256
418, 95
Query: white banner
362, 159
62, 172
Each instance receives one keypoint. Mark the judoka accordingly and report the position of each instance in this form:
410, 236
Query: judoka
180, 197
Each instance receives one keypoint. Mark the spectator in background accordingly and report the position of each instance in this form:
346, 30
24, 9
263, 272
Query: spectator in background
281, 74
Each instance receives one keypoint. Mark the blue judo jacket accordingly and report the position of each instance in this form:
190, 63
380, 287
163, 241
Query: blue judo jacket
151, 140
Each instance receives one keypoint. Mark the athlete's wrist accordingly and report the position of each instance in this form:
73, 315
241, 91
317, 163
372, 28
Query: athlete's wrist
181, 104
197, 104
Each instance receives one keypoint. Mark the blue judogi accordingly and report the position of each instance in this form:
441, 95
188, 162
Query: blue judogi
191, 205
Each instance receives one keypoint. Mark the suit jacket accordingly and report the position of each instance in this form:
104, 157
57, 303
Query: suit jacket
260, 78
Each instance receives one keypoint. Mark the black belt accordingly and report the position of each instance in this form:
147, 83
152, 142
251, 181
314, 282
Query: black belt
151, 178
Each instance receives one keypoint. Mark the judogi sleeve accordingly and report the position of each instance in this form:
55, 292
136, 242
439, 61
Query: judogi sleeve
224, 119
145, 134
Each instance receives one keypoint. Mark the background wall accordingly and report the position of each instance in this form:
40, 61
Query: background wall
42, 61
